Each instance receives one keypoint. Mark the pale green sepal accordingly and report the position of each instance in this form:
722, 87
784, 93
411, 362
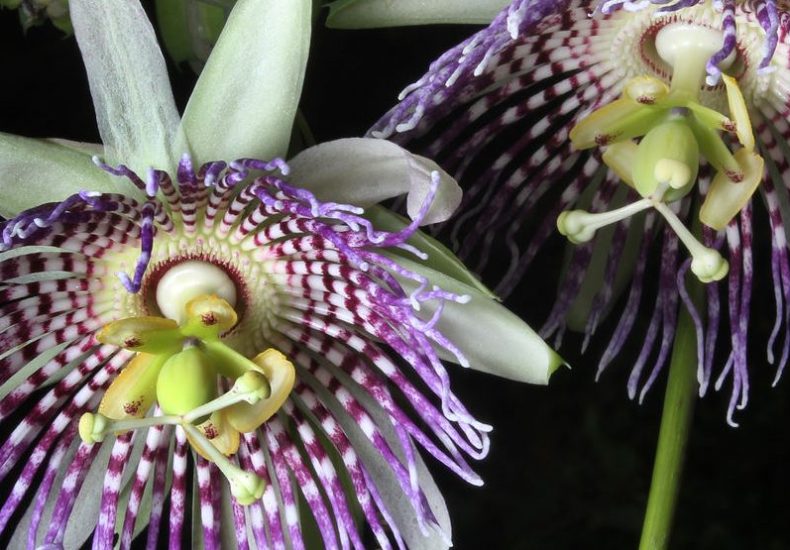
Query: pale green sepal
439, 258
244, 102
37, 171
134, 104
368, 14
492, 339
87, 148
366, 171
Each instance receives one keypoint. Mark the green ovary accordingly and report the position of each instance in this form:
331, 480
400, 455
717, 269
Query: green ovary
186, 381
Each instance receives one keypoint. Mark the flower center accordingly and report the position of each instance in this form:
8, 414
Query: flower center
182, 364
673, 130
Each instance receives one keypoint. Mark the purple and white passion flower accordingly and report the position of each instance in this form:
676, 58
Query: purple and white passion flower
194, 341
645, 131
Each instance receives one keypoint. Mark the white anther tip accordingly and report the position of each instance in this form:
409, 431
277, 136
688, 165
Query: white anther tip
571, 223
709, 266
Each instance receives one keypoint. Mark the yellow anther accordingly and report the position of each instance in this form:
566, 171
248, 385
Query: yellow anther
212, 313
620, 157
645, 89
739, 113
146, 334
133, 391
280, 373
219, 433
710, 118
725, 197
596, 128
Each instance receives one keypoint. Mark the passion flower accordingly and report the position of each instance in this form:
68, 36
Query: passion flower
170, 305
666, 119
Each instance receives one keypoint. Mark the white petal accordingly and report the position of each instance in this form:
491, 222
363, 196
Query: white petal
244, 102
398, 504
35, 171
364, 14
128, 79
492, 339
365, 171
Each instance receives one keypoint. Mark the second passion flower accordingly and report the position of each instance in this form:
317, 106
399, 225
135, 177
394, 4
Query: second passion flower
661, 118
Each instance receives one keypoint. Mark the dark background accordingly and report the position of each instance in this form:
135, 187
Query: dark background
570, 465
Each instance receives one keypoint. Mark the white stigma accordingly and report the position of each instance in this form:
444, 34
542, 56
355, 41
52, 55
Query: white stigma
188, 280
683, 39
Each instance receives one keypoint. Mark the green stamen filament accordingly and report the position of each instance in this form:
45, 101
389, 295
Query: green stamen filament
247, 487
580, 226
707, 264
250, 388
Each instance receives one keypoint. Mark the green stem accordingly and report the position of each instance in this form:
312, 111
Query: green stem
672, 438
